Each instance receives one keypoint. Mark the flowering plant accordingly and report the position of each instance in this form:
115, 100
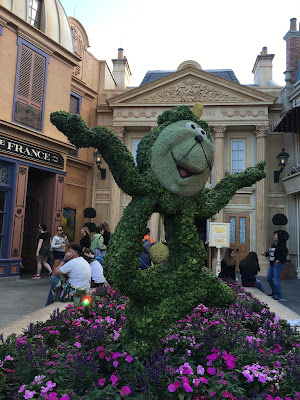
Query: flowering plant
242, 352
295, 170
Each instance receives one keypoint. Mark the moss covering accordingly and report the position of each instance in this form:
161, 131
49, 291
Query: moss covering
161, 295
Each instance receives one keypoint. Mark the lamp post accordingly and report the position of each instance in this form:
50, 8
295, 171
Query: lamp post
98, 160
282, 159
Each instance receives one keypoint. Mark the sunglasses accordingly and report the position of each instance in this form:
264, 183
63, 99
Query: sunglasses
59, 230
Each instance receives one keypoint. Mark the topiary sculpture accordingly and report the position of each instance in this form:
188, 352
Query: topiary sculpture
174, 161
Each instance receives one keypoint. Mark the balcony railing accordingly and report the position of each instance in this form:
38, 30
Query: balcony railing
28, 115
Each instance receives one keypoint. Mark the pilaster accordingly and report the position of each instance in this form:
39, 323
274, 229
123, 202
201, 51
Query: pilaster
219, 134
261, 195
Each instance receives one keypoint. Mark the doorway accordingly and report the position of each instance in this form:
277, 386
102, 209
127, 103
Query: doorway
239, 235
34, 215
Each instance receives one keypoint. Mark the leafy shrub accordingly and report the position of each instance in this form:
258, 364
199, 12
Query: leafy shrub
89, 212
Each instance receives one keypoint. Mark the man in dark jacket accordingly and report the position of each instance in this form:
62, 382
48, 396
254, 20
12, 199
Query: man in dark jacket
277, 255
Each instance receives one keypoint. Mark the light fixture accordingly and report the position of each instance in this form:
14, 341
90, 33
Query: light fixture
98, 161
282, 159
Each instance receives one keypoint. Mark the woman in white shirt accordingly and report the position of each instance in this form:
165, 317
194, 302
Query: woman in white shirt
58, 246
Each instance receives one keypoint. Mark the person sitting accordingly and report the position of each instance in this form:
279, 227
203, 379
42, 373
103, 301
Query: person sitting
228, 265
98, 278
249, 268
75, 267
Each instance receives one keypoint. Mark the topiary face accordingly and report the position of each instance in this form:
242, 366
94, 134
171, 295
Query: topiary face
181, 158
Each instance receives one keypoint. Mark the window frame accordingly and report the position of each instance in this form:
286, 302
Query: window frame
39, 11
21, 42
231, 154
77, 96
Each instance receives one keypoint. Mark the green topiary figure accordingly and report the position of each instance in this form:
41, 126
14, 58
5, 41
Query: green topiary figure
173, 164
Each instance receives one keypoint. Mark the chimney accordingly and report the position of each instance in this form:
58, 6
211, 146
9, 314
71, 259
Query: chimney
262, 69
121, 71
292, 39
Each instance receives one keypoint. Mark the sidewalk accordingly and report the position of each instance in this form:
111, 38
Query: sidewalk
22, 302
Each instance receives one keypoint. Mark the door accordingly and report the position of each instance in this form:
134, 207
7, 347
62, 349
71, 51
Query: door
239, 235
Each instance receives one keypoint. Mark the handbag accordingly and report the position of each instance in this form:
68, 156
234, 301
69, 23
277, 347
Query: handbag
64, 292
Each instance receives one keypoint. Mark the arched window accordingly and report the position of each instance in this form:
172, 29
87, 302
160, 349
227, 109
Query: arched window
34, 13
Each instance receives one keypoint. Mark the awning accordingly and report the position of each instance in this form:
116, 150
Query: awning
289, 122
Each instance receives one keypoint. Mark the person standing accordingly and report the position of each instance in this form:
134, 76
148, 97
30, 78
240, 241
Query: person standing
147, 236
277, 255
43, 251
58, 245
85, 240
228, 265
249, 268
106, 232
97, 242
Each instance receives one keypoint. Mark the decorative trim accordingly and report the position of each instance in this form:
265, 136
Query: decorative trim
131, 114
218, 131
236, 113
261, 131
119, 130
27, 164
1, 30
187, 90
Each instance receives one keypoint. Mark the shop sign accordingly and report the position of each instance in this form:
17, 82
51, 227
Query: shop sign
32, 152
219, 234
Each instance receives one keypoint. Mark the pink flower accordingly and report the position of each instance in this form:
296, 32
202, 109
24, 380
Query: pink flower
29, 394
115, 355
52, 396
125, 390
186, 386
115, 364
203, 380
101, 381
77, 344
226, 394
50, 385
8, 358
211, 370
128, 359
65, 397
114, 379
174, 386
185, 369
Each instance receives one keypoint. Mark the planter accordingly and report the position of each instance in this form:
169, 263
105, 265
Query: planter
288, 271
292, 183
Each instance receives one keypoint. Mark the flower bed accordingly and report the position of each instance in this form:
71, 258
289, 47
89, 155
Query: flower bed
243, 352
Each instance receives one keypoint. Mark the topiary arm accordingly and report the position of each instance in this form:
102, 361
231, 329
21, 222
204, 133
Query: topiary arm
112, 149
212, 201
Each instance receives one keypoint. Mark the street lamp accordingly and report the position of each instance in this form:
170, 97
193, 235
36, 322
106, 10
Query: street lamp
282, 159
98, 161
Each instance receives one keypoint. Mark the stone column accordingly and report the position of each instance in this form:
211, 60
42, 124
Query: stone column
218, 134
115, 191
261, 195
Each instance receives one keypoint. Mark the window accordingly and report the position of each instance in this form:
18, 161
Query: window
135, 145
75, 104
237, 156
30, 85
34, 13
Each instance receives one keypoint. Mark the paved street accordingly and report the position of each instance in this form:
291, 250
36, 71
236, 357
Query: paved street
24, 296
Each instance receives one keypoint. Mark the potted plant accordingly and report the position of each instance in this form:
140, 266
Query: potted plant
279, 220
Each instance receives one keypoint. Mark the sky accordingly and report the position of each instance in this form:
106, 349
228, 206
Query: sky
161, 34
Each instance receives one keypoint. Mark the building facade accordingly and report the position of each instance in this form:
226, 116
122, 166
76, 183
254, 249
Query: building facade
42, 175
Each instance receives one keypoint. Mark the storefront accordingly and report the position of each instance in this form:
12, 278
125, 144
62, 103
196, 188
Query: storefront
31, 192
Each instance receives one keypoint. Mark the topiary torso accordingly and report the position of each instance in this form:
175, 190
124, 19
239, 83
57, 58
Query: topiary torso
172, 168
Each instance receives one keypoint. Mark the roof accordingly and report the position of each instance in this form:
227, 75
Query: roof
222, 73
289, 122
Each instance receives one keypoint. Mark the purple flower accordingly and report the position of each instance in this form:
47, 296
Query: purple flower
128, 359
186, 386
8, 358
200, 370
114, 379
65, 397
101, 381
29, 394
77, 344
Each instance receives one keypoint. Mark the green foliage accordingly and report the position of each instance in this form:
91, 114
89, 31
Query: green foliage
161, 295
279, 219
89, 212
